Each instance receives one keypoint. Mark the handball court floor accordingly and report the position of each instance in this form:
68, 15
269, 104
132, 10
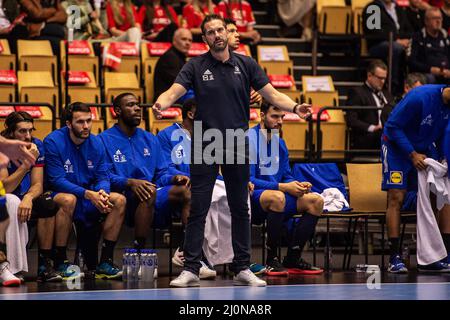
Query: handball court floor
335, 285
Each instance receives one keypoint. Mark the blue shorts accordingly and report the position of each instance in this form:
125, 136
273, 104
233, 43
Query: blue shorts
259, 215
85, 212
164, 210
398, 169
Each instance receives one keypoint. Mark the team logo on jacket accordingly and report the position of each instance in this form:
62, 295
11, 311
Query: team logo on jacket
428, 120
179, 152
90, 164
396, 177
207, 75
146, 152
236, 70
68, 167
119, 157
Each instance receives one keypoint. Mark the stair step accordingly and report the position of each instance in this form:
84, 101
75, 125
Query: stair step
293, 45
267, 30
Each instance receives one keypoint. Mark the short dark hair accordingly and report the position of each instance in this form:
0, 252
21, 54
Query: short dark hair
376, 64
12, 120
265, 106
118, 100
209, 18
229, 21
188, 105
413, 77
75, 107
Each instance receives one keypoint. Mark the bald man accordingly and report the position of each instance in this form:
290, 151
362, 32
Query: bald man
171, 62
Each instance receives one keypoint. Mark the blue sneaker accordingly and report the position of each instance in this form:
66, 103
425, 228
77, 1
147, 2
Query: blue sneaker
446, 260
437, 266
107, 270
257, 268
69, 271
396, 265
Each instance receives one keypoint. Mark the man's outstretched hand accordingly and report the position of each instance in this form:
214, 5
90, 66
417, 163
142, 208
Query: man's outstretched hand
16, 151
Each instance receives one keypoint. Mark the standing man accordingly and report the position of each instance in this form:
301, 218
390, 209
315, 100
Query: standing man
416, 123
221, 81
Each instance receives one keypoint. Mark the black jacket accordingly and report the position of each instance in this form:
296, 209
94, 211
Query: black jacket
427, 52
359, 121
167, 69
376, 36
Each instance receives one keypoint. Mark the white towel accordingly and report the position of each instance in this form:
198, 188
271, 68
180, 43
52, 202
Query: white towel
430, 246
217, 244
16, 237
333, 200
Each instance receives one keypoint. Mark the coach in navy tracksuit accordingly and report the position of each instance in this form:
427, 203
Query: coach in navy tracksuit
221, 81
139, 170
417, 123
75, 162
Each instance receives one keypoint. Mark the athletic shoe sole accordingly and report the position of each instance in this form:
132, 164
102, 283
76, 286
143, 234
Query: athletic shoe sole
108, 277
277, 273
301, 271
54, 279
70, 278
242, 283
191, 284
433, 271
11, 283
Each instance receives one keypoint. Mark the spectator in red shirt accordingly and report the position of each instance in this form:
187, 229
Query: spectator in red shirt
123, 21
241, 12
193, 15
159, 20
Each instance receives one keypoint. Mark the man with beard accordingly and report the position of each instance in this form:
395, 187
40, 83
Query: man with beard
76, 169
138, 169
279, 195
27, 182
234, 40
221, 81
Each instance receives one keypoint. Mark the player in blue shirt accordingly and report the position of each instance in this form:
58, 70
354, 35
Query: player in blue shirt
77, 172
278, 195
138, 169
27, 182
417, 122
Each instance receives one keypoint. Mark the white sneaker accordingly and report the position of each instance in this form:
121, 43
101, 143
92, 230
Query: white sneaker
7, 279
206, 272
178, 258
248, 278
186, 279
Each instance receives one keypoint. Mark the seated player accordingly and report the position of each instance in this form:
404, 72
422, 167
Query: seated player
278, 195
76, 170
138, 170
27, 182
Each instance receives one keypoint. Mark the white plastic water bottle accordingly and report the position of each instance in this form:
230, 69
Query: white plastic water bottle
125, 263
132, 265
148, 266
155, 273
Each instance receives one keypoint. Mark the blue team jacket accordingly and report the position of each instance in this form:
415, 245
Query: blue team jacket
75, 169
418, 120
135, 157
282, 175
177, 153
